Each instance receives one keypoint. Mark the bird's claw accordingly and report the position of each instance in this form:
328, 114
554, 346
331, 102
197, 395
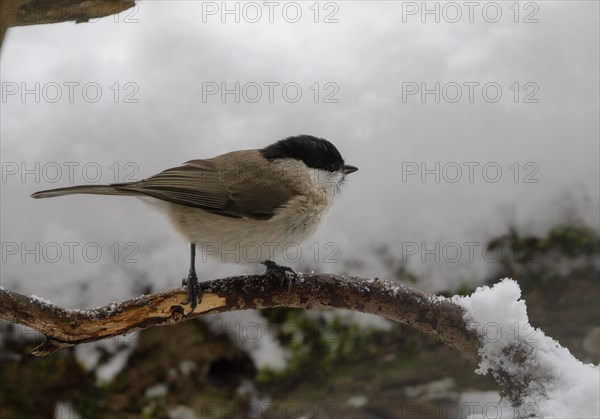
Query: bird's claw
283, 273
193, 290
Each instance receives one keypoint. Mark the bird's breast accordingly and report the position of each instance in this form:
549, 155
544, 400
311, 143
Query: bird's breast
242, 240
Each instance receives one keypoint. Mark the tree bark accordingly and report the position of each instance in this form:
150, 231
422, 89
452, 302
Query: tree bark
63, 327
38, 12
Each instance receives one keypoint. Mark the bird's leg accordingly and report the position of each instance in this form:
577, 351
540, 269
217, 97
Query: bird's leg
191, 282
283, 273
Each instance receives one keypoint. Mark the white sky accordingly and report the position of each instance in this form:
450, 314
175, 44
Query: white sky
368, 54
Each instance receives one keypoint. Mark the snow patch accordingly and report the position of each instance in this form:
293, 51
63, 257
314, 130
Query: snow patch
253, 333
157, 391
119, 348
257, 403
65, 410
41, 300
357, 401
182, 412
562, 386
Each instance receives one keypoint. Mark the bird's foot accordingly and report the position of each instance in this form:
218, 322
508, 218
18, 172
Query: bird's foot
193, 290
283, 273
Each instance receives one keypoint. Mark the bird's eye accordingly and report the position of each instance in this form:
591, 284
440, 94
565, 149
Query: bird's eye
331, 167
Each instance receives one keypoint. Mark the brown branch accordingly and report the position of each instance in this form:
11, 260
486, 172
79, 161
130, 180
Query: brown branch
37, 12
437, 316
63, 327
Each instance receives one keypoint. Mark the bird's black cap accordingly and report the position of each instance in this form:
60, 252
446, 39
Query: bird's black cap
317, 153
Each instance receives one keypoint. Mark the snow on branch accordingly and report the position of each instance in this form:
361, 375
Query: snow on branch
540, 378
537, 376
64, 327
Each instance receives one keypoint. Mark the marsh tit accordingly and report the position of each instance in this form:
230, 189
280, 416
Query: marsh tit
242, 206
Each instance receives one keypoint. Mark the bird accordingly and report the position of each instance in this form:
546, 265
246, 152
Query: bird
244, 205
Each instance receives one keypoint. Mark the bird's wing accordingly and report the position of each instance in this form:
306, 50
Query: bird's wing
243, 191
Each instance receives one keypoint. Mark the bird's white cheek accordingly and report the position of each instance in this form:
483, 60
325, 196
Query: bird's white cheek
328, 182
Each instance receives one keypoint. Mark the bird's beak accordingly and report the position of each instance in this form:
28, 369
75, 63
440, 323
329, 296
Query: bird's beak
349, 169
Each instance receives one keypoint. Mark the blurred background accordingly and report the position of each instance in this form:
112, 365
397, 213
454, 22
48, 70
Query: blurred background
476, 130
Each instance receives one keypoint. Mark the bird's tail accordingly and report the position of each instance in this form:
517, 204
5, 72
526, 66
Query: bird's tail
85, 189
